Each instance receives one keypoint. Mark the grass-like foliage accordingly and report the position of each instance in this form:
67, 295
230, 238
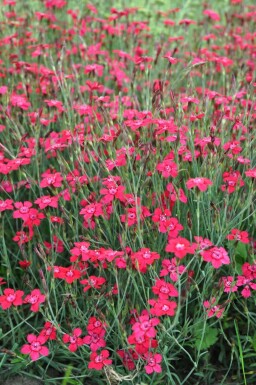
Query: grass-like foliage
127, 192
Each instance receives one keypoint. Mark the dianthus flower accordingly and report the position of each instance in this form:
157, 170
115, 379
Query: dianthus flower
35, 298
217, 256
11, 298
74, 340
35, 347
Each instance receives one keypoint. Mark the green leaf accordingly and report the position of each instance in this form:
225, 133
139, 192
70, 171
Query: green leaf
209, 338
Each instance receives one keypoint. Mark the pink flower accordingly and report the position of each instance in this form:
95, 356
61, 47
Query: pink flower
35, 298
23, 210
217, 256
171, 267
35, 347
153, 363
180, 247
162, 307
74, 340
229, 284
201, 183
95, 340
145, 326
98, 361
11, 298
213, 308
164, 290
238, 235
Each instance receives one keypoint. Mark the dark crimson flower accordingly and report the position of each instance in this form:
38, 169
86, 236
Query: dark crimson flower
74, 340
98, 361
24, 264
35, 347
11, 298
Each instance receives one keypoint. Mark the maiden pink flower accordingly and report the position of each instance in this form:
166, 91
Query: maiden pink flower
217, 256
74, 340
99, 360
11, 298
35, 298
35, 347
153, 363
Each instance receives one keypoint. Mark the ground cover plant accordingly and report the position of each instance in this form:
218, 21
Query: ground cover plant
127, 192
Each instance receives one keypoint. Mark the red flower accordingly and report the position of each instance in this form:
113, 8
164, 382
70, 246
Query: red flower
128, 357
201, 183
162, 218
143, 258
111, 192
98, 361
24, 264
69, 274
171, 267
95, 325
180, 247
23, 210
164, 290
217, 256
6, 205
93, 282
35, 298
80, 249
248, 285
47, 201
238, 235
213, 309
34, 218
74, 340
11, 298
162, 307
49, 331
168, 168
251, 173
153, 363
51, 179
229, 284
145, 326
95, 340
35, 347
173, 227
